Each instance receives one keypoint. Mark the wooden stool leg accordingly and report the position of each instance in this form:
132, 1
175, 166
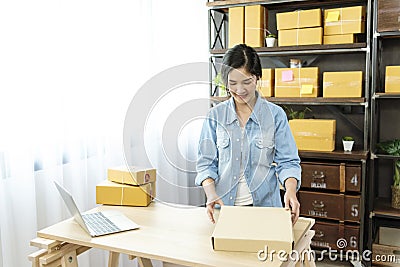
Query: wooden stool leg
69, 259
143, 262
113, 259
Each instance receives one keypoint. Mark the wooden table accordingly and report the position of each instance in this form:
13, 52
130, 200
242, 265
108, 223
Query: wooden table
180, 235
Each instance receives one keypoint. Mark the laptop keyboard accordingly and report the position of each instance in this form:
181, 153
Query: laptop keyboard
99, 223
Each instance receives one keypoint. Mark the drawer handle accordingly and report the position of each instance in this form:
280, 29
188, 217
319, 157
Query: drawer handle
318, 205
320, 176
319, 234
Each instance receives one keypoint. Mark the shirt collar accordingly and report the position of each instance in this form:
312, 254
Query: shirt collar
255, 114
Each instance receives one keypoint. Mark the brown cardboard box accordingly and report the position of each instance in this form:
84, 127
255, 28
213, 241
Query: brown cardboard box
306, 36
339, 39
236, 26
389, 236
267, 83
254, 25
298, 19
344, 20
304, 82
392, 79
388, 15
342, 84
313, 134
131, 175
247, 229
111, 193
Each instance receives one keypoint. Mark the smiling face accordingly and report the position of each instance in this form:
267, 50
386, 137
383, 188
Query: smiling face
242, 86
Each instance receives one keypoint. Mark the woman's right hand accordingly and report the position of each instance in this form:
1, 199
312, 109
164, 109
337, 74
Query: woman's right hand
212, 197
211, 206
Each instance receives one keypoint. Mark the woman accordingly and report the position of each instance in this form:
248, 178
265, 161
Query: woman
246, 145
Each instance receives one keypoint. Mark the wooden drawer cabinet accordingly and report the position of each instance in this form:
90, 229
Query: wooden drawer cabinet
330, 206
340, 177
388, 15
327, 235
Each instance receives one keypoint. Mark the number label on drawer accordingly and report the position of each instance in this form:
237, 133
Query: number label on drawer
354, 180
354, 210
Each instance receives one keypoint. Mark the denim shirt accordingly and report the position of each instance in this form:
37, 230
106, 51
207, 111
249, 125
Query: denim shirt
269, 152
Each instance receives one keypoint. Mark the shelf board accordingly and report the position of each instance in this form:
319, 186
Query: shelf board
386, 96
228, 3
337, 154
309, 100
303, 49
384, 156
393, 34
383, 208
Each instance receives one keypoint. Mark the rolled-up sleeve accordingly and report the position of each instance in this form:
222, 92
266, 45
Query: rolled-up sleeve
207, 158
286, 153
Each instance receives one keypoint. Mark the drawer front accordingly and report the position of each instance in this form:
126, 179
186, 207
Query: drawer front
328, 234
352, 208
388, 15
353, 178
321, 205
320, 176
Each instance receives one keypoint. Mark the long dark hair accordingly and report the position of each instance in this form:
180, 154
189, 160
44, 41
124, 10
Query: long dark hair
241, 56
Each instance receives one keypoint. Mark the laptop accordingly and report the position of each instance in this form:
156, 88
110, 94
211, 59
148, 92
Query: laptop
98, 223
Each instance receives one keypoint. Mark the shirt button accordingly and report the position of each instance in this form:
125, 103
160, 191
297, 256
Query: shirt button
237, 158
234, 177
230, 197
238, 139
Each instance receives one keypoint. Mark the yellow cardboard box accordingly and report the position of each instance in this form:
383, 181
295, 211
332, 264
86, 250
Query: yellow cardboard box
111, 193
254, 228
132, 175
339, 39
236, 26
313, 134
296, 82
392, 79
344, 20
254, 25
267, 83
342, 84
306, 36
298, 19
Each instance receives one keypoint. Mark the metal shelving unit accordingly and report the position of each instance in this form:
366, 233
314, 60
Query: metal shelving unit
218, 23
380, 211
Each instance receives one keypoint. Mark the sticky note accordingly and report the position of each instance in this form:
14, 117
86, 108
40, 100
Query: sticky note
287, 76
332, 16
306, 89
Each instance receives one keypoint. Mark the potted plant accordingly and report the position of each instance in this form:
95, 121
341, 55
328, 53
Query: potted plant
270, 40
348, 143
295, 114
392, 147
221, 86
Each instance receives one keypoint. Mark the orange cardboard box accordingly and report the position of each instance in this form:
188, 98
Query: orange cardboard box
296, 82
132, 175
344, 20
254, 25
267, 83
236, 26
313, 134
342, 84
339, 39
298, 19
392, 79
306, 36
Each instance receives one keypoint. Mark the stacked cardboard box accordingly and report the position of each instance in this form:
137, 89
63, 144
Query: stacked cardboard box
127, 186
340, 24
247, 25
301, 27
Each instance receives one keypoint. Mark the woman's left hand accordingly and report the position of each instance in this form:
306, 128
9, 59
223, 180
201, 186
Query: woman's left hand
290, 198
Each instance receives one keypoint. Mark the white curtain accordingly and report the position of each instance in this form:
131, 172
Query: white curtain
69, 72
